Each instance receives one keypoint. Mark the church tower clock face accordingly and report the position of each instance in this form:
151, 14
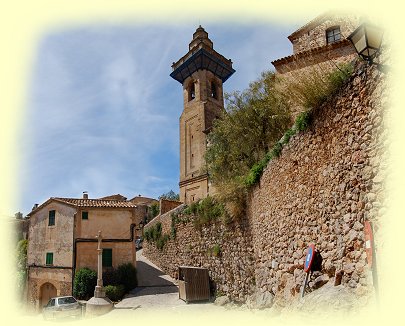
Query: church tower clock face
202, 72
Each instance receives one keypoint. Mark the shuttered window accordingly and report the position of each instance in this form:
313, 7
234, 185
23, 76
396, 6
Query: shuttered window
85, 215
107, 257
49, 258
51, 219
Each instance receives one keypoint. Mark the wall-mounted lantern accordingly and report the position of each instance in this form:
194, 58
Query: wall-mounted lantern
367, 41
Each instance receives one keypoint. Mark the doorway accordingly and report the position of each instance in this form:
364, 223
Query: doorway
47, 291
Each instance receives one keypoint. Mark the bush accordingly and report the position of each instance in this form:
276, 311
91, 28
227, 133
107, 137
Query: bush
154, 234
111, 277
303, 121
255, 173
84, 283
216, 250
287, 135
127, 276
147, 234
311, 88
205, 211
115, 292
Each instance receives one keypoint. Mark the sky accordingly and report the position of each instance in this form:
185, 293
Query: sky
102, 114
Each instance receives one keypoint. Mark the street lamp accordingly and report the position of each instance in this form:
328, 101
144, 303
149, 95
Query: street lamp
141, 225
367, 41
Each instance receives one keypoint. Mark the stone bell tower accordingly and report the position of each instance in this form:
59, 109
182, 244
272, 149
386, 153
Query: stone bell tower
202, 71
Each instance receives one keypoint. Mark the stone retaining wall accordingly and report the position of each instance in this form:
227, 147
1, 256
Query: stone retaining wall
327, 181
226, 251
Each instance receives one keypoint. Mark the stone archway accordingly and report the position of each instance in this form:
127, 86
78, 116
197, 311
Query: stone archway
47, 291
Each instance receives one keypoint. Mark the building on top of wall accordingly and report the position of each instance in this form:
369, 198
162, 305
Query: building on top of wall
62, 239
323, 41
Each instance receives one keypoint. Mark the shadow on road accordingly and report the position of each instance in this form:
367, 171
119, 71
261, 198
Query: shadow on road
149, 276
152, 290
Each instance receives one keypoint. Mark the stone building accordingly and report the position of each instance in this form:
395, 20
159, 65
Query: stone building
62, 240
202, 72
322, 42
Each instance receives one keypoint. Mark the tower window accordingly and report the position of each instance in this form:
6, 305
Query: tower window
214, 93
191, 91
332, 34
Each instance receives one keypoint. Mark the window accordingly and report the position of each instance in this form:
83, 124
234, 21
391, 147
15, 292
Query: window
332, 34
107, 257
191, 91
85, 215
49, 258
51, 219
66, 300
214, 90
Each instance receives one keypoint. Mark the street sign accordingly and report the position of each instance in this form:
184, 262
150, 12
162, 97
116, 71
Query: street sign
309, 258
368, 237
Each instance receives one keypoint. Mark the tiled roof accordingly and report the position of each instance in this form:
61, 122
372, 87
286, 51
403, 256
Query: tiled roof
83, 202
114, 197
311, 52
86, 202
139, 200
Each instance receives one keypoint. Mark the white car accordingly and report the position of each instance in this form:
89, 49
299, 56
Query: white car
61, 307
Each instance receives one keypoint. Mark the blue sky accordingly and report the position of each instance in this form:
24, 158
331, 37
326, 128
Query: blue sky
102, 114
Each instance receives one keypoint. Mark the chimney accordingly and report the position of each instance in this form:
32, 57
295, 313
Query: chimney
85, 195
35, 206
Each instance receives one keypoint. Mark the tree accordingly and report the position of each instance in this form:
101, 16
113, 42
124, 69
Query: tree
254, 121
153, 211
171, 195
21, 261
18, 216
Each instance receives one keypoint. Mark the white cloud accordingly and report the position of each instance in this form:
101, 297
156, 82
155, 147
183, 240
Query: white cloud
103, 112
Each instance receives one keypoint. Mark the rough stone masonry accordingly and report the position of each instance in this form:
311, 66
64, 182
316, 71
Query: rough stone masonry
326, 182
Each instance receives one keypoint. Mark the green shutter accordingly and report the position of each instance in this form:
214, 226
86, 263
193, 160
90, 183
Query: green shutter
51, 220
107, 257
49, 258
85, 215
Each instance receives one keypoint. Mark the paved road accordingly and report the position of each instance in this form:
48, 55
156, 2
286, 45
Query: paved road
155, 289
157, 296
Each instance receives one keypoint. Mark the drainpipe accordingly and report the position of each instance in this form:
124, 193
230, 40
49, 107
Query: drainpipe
74, 251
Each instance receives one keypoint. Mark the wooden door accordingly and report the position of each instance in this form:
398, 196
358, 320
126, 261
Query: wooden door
48, 291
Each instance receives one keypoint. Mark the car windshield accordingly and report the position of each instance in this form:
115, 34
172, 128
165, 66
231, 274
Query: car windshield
66, 300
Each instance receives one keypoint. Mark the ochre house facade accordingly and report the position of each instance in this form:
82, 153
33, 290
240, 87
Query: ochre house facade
62, 239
